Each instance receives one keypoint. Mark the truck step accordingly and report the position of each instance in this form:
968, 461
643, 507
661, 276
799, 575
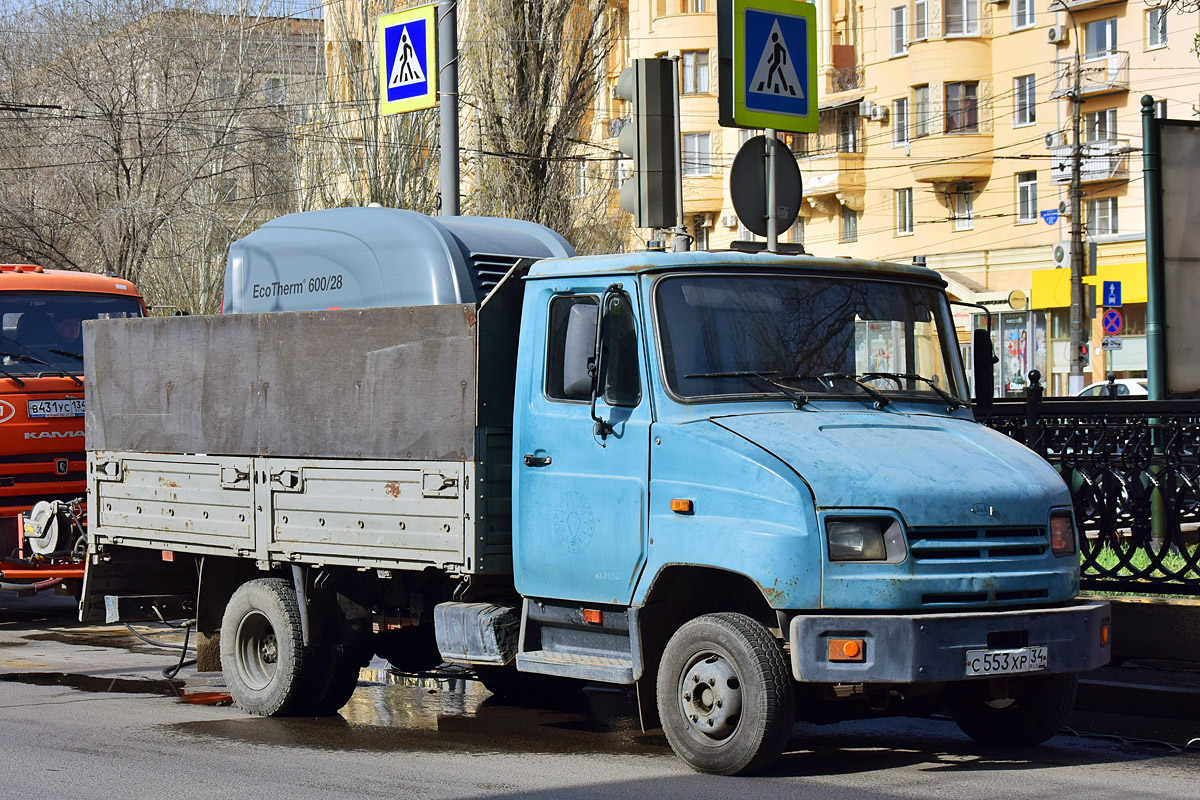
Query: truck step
606, 669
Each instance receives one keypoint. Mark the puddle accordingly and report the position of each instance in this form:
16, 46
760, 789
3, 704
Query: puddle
87, 683
455, 715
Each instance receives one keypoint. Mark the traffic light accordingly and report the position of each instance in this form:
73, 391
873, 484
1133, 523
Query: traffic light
651, 139
1085, 355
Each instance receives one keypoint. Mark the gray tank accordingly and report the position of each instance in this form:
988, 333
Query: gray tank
369, 257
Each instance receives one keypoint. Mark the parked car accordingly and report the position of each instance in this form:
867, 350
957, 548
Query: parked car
1126, 387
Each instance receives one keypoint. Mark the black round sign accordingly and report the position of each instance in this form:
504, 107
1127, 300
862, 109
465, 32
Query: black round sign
748, 185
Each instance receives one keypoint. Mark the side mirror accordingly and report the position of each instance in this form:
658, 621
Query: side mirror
579, 351
982, 360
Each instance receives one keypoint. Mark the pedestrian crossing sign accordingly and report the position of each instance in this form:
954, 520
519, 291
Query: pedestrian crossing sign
774, 63
407, 60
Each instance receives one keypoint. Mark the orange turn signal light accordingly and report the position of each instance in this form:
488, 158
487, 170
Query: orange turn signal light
681, 506
847, 650
593, 616
1104, 634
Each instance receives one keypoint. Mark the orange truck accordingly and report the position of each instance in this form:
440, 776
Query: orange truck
43, 465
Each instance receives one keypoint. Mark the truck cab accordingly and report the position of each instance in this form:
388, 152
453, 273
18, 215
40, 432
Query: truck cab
41, 385
787, 440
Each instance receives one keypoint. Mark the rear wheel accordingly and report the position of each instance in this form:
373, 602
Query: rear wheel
725, 694
262, 650
1028, 712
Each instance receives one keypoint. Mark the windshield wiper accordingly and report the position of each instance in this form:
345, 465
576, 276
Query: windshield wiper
8, 374
33, 359
880, 399
798, 397
67, 353
950, 399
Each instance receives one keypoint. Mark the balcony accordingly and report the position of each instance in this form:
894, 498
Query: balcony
834, 178
1097, 75
846, 79
1075, 5
951, 158
616, 125
1101, 160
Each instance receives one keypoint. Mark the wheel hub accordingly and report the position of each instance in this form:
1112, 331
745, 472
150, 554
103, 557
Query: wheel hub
711, 696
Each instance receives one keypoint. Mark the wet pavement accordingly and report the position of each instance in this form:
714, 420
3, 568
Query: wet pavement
87, 713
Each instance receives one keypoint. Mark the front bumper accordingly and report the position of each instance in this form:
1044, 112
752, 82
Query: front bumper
920, 648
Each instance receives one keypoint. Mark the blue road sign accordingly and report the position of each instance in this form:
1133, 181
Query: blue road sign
1049, 216
775, 65
407, 63
1112, 322
1112, 294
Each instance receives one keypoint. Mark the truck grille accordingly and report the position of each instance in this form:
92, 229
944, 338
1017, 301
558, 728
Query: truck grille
975, 544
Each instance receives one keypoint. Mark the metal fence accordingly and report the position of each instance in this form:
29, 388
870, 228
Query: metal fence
1133, 468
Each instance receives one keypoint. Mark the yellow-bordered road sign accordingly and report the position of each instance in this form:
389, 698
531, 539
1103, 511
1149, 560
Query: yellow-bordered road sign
408, 60
774, 60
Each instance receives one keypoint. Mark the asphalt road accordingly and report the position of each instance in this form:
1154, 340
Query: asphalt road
87, 714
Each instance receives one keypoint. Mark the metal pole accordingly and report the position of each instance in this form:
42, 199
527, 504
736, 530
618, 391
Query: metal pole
1152, 180
1075, 381
772, 220
448, 104
682, 240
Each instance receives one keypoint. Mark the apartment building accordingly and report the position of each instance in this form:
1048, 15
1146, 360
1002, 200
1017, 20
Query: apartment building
945, 132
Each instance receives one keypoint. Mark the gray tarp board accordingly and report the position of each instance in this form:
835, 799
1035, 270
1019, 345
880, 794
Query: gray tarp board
373, 383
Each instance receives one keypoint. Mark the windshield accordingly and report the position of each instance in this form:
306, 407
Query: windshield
723, 335
42, 332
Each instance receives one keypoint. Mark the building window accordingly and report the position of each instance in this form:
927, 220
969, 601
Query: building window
697, 155
274, 92
796, 232
1102, 216
848, 129
900, 30
1022, 14
701, 233
1027, 207
1160, 109
849, 224
964, 207
900, 121
962, 107
698, 6
1100, 37
1100, 126
920, 122
1156, 27
920, 29
962, 17
1024, 101
904, 211
695, 72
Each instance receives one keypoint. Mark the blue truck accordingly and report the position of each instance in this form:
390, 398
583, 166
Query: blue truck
747, 486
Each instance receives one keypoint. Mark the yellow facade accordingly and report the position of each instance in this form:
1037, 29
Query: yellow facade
967, 113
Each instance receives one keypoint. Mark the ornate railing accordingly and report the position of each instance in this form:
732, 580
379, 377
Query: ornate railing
1133, 468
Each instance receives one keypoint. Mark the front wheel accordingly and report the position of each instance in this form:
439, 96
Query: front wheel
1031, 710
725, 695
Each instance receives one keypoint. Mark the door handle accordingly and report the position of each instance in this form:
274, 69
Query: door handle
536, 461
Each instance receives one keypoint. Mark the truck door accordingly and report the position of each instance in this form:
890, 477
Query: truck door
581, 488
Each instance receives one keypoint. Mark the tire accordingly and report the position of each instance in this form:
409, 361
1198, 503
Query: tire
333, 677
743, 719
1035, 710
263, 656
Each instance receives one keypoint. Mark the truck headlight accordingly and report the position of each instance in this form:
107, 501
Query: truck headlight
1062, 533
858, 539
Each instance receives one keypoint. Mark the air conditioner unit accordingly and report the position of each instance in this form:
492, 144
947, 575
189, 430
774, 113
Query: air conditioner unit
1061, 255
879, 113
1056, 34
729, 220
864, 108
1064, 208
1056, 139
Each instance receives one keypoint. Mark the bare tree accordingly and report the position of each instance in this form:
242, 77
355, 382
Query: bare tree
532, 69
157, 143
351, 154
